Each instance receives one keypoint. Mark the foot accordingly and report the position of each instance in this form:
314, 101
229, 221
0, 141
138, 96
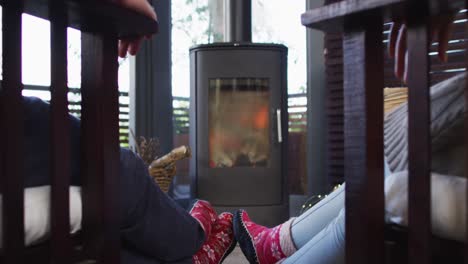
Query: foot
204, 213
260, 244
220, 243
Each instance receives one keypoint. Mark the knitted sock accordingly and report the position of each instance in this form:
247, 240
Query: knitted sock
204, 213
260, 244
220, 243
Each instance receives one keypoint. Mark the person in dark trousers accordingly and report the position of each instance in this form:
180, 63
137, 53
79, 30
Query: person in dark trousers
153, 227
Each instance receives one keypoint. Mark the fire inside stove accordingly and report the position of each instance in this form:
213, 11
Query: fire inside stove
239, 122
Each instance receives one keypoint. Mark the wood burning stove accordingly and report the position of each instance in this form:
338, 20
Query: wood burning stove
238, 123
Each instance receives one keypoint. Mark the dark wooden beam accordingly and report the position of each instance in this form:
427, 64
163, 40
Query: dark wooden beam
111, 151
59, 137
363, 130
12, 177
419, 139
334, 17
87, 15
151, 98
317, 182
100, 146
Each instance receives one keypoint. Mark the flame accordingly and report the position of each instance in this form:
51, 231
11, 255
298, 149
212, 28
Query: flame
261, 118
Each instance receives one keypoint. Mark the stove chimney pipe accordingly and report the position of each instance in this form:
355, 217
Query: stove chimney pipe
238, 20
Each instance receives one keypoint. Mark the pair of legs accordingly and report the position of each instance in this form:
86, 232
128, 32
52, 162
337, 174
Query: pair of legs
154, 229
318, 234
157, 230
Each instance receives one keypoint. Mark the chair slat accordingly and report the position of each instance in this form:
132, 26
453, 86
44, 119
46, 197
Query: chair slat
12, 122
419, 142
363, 130
91, 160
100, 144
110, 104
60, 137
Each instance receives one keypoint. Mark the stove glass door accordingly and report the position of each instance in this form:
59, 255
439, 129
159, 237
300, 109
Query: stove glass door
239, 122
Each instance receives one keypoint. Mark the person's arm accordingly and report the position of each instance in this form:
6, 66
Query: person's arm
132, 45
441, 27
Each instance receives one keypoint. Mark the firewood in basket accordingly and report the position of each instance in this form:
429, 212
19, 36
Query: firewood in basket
173, 156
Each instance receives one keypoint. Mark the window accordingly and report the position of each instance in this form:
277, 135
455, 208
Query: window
206, 25
274, 21
189, 28
36, 65
193, 22
277, 21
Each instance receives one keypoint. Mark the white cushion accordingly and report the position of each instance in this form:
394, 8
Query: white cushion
448, 203
37, 213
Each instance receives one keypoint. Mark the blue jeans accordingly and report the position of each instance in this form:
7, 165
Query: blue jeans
319, 233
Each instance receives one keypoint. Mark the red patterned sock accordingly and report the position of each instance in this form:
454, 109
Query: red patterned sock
261, 244
220, 244
204, 213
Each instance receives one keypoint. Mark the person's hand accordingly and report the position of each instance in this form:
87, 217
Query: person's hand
441, 27
132, 45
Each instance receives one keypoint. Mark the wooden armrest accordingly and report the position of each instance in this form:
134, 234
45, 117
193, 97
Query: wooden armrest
90, 16
332, 17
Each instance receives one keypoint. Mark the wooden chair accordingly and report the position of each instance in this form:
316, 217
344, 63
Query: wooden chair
101, 24
368, 239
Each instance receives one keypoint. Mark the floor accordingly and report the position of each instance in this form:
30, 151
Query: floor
236, 257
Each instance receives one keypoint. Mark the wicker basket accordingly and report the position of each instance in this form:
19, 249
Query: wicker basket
162, 169
163, 177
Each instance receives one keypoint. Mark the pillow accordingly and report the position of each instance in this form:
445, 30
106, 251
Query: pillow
37, 213
448, 203
447, 133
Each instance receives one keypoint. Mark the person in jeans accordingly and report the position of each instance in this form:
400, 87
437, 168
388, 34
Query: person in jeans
318, 235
